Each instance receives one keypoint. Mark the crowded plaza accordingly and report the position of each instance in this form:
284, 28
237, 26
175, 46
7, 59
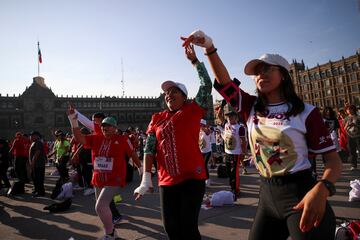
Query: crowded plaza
261, 148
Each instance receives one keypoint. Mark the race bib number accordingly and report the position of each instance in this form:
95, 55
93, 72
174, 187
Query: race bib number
103, 163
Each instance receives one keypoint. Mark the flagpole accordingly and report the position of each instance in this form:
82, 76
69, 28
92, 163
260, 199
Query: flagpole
38, 59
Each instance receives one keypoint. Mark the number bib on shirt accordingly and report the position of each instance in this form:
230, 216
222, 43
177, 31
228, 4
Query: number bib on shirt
103, 163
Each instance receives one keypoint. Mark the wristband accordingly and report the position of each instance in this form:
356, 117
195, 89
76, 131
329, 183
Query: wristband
211, 52
194, 61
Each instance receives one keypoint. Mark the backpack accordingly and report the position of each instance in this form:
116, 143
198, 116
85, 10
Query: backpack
222, 172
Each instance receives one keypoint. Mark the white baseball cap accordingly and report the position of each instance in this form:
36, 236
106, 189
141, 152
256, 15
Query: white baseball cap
272, 59
203, 121
168, 84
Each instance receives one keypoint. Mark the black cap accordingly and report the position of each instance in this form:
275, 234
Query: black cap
35, 133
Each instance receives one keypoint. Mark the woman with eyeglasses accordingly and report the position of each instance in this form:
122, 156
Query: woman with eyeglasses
282, 130
173, 138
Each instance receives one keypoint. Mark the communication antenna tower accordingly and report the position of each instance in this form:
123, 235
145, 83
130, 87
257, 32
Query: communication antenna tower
122, 78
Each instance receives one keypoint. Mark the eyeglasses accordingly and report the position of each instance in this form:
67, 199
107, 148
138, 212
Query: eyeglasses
265, 69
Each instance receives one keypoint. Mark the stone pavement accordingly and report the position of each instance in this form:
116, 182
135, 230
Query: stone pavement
23, 217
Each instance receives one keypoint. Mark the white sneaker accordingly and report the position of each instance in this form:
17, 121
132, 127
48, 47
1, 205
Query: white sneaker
89, 191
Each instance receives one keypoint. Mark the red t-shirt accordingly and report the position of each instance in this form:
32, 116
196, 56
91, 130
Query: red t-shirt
109, 159
177, 149
21, 147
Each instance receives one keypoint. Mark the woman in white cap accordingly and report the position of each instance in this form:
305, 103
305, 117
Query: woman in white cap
109, 150
173, 137
282, 131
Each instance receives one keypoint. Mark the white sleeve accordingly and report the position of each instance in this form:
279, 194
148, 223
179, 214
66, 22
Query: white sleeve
85, 121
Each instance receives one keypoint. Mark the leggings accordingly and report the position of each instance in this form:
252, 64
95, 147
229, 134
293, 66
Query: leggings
104, 196
180, 207
275, 218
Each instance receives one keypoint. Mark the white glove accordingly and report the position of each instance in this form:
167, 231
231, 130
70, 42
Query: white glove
201, 39
146, 184
140, 170
73, 118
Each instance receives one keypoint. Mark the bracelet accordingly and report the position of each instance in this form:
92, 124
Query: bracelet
194, 61
212, 52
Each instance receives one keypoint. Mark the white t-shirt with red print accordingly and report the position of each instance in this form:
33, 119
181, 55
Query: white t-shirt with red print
280, 144
204, 142
232, 135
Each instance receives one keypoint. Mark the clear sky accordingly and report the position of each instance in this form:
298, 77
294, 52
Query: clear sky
83, 41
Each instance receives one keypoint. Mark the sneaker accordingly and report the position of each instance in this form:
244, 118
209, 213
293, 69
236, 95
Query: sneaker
89, 191
244, 171
117, 219
107, 237
352, 168
112, 236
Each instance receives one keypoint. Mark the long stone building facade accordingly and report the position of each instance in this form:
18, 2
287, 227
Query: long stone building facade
331, 84
38, 108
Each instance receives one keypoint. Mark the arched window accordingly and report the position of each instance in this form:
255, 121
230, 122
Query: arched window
335, 71
328, 73
354, 66
322, 73
341, 70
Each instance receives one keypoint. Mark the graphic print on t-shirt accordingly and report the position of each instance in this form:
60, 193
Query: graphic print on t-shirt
168, 146
274, 150
230, 141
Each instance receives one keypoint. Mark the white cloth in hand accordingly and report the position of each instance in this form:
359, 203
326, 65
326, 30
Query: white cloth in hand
146, 184
201, 39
